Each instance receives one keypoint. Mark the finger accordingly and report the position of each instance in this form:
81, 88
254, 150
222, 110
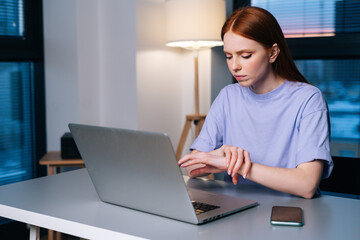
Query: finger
188, 157
235, 178
192, 162
227, 156
234, 157
184, 159
247, 164
239, 161
195, 158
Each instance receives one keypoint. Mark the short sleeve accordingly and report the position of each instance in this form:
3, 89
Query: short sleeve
314, 142
211, 134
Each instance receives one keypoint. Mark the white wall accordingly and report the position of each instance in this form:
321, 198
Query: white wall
117, 31
90, 62
106, 64
61, 81
158, 83
165, 76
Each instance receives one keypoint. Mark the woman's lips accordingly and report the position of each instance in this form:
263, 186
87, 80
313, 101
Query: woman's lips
240, 77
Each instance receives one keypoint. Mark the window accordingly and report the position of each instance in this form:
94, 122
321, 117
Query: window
314, 18
12, 18
22, 101
22, 111
16, 122
324, 36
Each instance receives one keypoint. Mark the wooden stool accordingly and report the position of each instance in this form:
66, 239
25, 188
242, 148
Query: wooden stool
198, 120
54, 162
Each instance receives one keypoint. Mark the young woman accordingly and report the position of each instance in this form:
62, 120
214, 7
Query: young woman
271, 127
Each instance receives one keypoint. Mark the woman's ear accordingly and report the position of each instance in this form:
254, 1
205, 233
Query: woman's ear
274, 53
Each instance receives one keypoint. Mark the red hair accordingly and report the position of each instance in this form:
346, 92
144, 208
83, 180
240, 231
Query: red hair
261, 26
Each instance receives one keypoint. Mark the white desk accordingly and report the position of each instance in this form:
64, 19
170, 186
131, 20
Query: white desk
68, 203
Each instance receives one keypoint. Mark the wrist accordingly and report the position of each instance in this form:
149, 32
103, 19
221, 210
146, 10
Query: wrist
245, 171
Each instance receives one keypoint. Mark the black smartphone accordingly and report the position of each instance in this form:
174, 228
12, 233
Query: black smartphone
289, 216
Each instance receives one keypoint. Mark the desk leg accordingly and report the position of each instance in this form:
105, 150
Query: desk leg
50, 234
34, 232
58, 236
51, 170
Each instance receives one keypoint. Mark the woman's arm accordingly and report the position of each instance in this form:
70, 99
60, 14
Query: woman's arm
223, 159
302, 180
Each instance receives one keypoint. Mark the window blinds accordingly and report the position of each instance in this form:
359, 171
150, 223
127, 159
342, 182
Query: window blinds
16, 122
11, 18
299, 18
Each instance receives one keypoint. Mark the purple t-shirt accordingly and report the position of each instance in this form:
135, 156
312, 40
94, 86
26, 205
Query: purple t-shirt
283, 128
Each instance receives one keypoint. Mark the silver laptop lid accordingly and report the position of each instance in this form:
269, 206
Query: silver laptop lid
124, 167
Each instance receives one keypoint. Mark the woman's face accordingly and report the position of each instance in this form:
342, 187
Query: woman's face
249, 62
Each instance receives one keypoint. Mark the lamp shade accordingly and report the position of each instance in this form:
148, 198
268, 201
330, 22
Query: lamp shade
194, 24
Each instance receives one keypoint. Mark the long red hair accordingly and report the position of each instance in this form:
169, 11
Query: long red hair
261, 26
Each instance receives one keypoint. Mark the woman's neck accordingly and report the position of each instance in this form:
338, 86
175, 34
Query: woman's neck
270, 83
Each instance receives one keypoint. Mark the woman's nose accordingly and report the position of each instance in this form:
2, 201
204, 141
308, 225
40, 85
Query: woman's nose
236, 66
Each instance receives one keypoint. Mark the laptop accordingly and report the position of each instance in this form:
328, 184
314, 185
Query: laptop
139, 170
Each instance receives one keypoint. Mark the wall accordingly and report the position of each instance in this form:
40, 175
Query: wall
61, 85
165, 76
90, 62
106, 64
220, 74
158, 75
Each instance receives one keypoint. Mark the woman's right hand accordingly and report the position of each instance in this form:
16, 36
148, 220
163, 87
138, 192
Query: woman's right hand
237, 160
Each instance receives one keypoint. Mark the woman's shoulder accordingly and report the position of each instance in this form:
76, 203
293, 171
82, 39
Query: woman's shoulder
302, 89
309, 96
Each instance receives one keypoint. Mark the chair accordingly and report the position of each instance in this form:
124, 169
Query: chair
345, 177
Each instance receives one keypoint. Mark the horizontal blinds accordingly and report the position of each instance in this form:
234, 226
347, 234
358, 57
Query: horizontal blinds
16, 122
11, 18
314, 17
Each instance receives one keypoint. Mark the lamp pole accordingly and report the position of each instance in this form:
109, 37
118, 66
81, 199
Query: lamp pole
192, 25
196, 81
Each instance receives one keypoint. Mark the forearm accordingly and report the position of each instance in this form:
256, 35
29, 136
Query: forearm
302, 181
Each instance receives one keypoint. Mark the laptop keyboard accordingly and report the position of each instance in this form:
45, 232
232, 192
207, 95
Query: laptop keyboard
203, 207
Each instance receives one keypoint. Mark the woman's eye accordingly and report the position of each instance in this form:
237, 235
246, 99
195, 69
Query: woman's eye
246, 56
228, 57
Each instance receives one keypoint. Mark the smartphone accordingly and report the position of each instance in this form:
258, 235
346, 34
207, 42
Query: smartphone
289, 216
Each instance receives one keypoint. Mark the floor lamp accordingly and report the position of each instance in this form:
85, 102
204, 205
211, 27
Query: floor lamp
194, 25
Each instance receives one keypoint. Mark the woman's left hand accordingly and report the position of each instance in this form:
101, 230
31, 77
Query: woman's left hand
211, 162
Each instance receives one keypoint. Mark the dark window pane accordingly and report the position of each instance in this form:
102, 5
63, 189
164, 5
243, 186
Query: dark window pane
11, 18
16, 122
299, 18
339, 80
